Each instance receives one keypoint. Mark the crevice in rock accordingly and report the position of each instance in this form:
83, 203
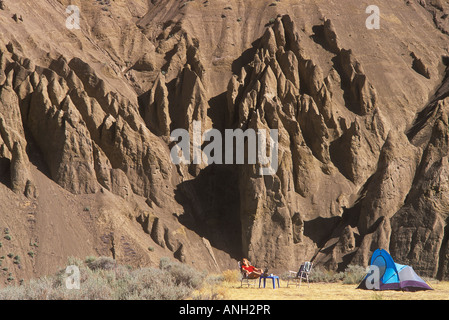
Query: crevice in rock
420, 130
443, 256
212, 207
419, 66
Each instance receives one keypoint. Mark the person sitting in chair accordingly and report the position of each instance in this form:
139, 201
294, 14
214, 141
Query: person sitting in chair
251, 271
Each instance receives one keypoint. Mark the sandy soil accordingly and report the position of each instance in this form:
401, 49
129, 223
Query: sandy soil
331, 291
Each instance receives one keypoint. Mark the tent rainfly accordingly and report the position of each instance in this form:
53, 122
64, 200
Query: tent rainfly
391, 275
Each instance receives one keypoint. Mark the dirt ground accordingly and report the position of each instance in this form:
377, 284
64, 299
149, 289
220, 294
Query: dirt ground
330, 291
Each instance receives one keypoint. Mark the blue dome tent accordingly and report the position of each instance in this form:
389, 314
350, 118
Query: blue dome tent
392, 276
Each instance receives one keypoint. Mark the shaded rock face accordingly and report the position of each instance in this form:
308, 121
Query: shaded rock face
13, 142
420, 232
320, 150
362, 151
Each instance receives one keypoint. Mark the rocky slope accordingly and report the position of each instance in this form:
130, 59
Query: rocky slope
86, 116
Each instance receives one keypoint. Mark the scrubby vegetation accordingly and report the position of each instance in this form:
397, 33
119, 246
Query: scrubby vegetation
103, 279
352, 275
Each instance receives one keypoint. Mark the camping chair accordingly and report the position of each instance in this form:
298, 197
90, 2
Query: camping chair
245, 280
303, 273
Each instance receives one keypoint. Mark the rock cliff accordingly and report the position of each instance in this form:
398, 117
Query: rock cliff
361, 115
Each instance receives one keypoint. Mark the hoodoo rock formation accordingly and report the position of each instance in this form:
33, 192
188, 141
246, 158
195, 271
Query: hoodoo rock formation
86, 117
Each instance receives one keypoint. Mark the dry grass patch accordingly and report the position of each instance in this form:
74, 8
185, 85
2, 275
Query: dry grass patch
330, 291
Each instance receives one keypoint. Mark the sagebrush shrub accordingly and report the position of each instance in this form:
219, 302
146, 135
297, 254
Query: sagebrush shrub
354, 274
232, 275
103, 279
103, 263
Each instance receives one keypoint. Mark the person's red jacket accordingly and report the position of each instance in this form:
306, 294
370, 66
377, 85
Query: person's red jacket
248, 268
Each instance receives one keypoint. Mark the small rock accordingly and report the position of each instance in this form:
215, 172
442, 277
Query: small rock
17, 18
